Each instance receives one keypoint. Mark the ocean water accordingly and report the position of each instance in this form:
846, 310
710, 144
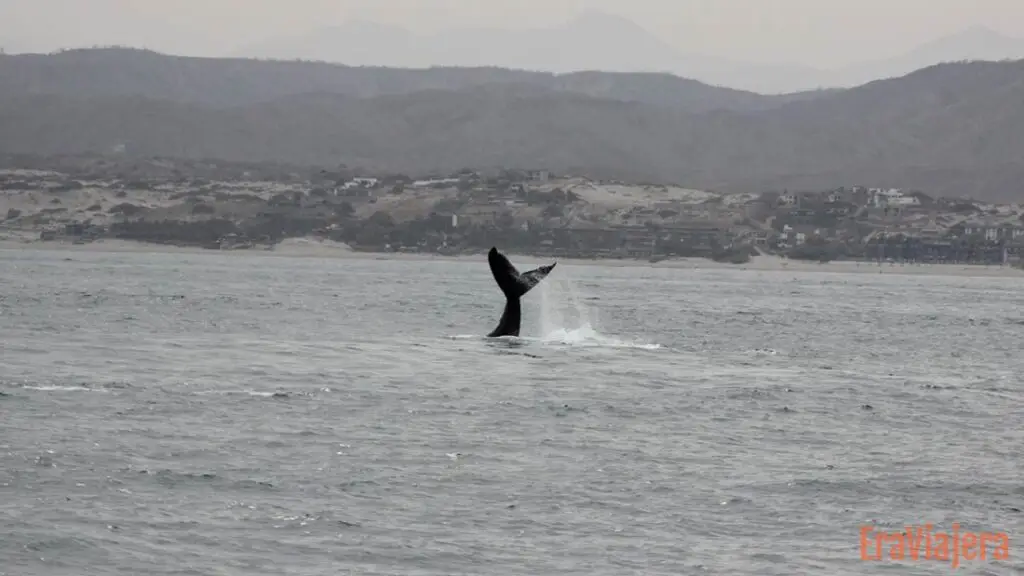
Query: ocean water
237, 415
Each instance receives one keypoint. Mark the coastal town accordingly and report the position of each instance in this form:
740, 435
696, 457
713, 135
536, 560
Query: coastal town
226, 206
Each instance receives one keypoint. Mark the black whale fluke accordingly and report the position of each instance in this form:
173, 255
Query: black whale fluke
514, 285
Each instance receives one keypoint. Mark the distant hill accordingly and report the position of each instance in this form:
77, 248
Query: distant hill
236, 82
951, 129
595, 40
592, 40
976, 43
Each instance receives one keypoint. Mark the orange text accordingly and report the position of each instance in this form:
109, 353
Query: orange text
922, 543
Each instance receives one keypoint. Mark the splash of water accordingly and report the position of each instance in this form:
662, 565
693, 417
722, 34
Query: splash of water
561, 312
563, 318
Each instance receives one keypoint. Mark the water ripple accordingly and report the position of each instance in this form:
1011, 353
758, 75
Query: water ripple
201, 414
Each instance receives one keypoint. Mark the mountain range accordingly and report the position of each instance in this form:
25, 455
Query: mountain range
950, 129
601, 41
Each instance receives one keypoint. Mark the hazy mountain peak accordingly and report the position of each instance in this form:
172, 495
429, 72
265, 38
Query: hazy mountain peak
977, 32
363, 25
973, 43
598, 40
598, 19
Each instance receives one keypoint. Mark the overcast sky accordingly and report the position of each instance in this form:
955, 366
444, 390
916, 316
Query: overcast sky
823, 33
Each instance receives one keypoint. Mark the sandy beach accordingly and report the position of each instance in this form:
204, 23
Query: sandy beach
317, 248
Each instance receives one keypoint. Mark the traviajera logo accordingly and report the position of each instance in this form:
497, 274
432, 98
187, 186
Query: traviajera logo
921, 543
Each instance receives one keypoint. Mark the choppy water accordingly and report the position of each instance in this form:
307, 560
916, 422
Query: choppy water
209, 414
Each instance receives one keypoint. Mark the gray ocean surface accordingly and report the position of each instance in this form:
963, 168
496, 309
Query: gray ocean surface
223, 414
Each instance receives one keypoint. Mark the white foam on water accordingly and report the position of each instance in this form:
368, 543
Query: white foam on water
558, 316
563, 318
63, 389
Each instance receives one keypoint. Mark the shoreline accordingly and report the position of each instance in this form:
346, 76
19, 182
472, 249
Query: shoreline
312, 248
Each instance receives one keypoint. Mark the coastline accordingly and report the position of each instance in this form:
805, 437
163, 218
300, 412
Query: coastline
314, 248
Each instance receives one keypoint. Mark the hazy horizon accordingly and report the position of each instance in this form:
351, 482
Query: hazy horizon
784, 32
749, 127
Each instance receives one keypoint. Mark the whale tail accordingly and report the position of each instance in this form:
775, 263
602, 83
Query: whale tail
514, 285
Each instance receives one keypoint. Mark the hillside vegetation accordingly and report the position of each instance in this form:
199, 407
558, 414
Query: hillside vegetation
951, 129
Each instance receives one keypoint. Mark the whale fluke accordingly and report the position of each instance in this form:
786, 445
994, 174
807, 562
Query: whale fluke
514, 285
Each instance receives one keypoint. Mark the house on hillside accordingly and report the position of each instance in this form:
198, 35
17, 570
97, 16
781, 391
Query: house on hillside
892, 197
360, 183
841, 196
990, 229
787, 199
